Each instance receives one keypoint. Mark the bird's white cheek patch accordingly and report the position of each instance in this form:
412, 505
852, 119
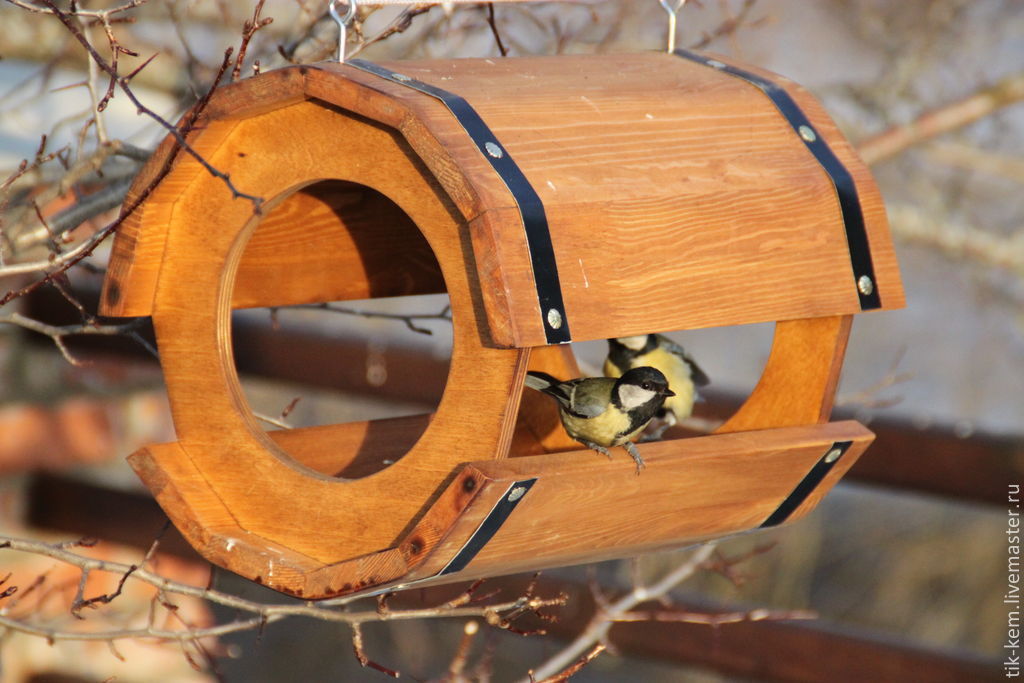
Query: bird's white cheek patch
632, 396
634, 343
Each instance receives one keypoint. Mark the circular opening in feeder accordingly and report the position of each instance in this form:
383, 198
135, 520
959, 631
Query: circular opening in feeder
354, 359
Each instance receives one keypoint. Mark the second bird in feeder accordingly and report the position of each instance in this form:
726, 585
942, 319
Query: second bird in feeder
660, 352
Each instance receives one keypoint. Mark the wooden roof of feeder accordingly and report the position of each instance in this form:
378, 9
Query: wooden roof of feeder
554, 200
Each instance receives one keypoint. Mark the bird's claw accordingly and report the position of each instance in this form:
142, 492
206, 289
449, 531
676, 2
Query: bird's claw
635, 454
599, 449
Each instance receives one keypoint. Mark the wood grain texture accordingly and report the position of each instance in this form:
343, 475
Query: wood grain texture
352, 449
585, 508
692, 179
798, 384
661, 179
316, 516
138, 245
676, 198
354, 243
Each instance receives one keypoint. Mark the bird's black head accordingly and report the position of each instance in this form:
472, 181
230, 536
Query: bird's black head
623, 351
641, 386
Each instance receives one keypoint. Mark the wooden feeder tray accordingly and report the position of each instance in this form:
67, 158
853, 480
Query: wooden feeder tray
554, 200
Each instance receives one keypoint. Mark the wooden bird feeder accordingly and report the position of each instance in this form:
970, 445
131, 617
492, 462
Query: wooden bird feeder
554, 200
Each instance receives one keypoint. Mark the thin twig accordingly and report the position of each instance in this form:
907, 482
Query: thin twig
576, 666
122, 83
717, 619
979, 104
58, 332
184, 128
958, 242
399, 25
458, 663
357, 647
409, 319
597, 630
79, 12
249, 30
263, 614
728, 27
494, 30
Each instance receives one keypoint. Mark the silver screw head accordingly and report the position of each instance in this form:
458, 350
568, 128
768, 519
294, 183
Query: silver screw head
833, 455
807, 133
714, 63
516, 493
400, 77
554, 318
493, 149
864, 285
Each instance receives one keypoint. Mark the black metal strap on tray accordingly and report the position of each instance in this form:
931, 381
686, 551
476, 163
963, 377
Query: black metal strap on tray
494, 520
531, 209
807, 484
864, 280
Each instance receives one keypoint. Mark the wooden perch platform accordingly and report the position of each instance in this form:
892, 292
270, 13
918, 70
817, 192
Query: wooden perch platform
554, 200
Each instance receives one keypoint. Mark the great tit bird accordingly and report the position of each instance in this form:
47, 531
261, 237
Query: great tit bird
601, 412
660, 352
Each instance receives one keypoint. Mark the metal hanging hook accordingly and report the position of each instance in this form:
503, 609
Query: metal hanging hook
343, 22
673, 10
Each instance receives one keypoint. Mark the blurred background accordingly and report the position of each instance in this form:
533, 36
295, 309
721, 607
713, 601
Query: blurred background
904, 564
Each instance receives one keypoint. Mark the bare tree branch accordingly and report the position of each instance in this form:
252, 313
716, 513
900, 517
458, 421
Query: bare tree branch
461, 608
957, 241
979, 104
576, 666
122, 82
58, 332
409, 319
597, 630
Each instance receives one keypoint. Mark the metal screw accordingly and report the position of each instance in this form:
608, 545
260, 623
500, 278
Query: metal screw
554, 318
493, 149
401, 77
516, 493
807, 133
833, 455
865, 286
715, 64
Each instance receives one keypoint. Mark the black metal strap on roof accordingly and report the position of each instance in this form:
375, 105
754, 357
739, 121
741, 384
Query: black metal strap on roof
494, 520
864, 281
807, 484
531, 209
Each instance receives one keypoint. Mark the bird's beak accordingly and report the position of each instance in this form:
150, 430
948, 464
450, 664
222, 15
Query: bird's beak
669, 392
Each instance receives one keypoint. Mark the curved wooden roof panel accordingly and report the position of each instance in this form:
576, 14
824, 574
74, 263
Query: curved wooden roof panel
676, 196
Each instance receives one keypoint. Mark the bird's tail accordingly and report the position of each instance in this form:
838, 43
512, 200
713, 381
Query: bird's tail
552, 386
541, 381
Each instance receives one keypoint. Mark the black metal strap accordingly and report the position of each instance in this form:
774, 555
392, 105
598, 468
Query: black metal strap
864, 281
485, 532
807, 484
531, 209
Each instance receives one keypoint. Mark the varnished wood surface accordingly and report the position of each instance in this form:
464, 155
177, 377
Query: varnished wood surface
586, 508
661, 178
692, 175
676, 198
798, 383
206, 235
334, 241
583, 508
352, 449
